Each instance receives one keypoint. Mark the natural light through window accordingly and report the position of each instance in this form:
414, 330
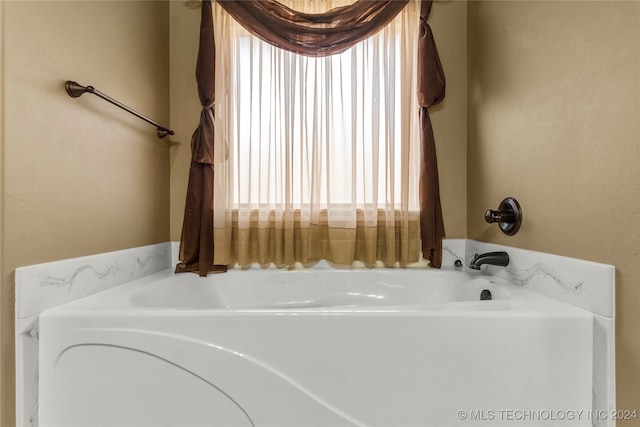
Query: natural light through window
344, 117
305, 132
317, 157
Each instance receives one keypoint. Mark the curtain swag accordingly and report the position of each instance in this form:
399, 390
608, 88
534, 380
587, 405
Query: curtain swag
320, 34
314, 35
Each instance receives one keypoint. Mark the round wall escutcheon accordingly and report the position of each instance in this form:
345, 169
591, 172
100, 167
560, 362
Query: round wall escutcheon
511, 206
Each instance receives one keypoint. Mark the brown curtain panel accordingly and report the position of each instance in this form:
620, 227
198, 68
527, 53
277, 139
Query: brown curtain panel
431, 91
322, 34
196, 243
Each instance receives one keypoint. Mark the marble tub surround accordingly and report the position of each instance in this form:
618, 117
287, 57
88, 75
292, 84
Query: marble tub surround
43, 286
27, 359
175, 253
584, 284
453, 250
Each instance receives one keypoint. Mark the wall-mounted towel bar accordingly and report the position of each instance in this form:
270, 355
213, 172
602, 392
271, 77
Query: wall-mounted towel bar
75, 90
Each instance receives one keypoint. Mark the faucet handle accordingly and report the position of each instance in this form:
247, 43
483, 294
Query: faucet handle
499, 216
508, 215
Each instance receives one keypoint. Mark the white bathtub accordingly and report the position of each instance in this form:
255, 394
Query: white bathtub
316, 348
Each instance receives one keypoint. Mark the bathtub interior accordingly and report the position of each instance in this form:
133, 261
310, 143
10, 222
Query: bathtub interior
314, 289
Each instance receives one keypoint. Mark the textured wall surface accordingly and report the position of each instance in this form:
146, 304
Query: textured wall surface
80, 176
554, 103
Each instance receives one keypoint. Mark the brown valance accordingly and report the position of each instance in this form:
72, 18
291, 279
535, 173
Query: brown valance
308, 34
321, 34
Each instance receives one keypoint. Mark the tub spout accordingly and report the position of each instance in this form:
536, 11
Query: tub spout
492, 258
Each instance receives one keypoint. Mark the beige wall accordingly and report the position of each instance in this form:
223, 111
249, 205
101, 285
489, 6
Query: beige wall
6, 384
553, 119
449, 119
449, 23
80, 176
185, 104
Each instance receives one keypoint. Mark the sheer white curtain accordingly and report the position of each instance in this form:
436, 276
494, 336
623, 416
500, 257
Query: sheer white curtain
316, 158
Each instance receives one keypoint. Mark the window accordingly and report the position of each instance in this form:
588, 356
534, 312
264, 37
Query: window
329, 142
337, 120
